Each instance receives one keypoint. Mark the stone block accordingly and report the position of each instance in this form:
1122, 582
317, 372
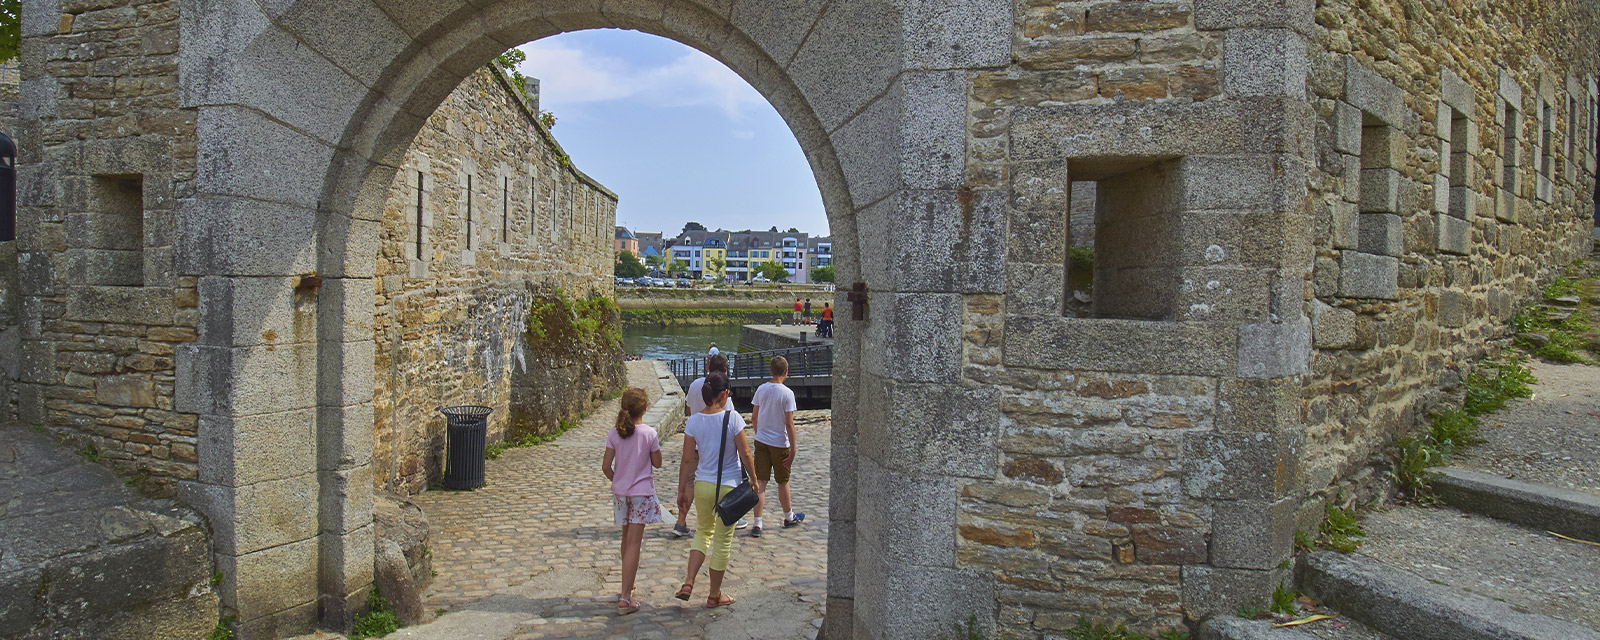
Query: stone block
242, 153
344, 436
1240, 465
1505, 207
347, 378
1510, 90
1463, 203
1441, 194
1347, 126
1333, 327
1273, 350
1123, 130
1377, 96
267, 514
270, 581
130, 305
1228, 182
1255, 405
1383, 148
1263, 62
1231, 14
1215, 591
936, 598
252, 311
958, 426
1381, 234
964, 35
1456, 93
844, 63
245, 380
1119, 346
933, 129
1453, 235
355, 35
345, 503
869, 159
842, 482
919, 336
1350, 178
1252, 534
236, 451
1380, 191
778, 27
1364, 275
916, 511
1454, 308
127, 390
237, 236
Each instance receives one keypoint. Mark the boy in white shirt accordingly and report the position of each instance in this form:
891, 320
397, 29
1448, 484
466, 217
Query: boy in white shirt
775, 443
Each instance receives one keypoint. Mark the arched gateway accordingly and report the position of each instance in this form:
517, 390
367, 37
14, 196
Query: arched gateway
1123, 413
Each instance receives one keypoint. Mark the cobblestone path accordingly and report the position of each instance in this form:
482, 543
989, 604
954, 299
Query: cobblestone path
535, 553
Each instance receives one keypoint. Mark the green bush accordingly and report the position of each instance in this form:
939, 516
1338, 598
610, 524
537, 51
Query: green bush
561, 324
378, 621
1340, 531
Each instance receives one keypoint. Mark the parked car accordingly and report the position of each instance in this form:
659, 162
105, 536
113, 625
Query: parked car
642, 281
684, 283
785, 281
760, 280
659, 282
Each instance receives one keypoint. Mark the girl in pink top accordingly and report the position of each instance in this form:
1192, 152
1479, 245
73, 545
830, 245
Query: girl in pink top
632, 450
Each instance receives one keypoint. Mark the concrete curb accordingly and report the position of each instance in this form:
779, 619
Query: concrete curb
1541, 507
1230, 628
666, 414
1405, 606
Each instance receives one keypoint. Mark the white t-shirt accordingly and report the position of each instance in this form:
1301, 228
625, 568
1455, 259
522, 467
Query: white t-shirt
697, 402
713, 351
706, 429
776, 401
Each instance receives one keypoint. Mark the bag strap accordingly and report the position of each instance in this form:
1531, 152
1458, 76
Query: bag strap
723, 446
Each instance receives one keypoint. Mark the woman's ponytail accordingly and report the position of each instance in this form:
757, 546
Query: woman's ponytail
633, 404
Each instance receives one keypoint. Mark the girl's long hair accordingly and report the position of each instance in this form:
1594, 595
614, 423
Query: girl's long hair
634, 403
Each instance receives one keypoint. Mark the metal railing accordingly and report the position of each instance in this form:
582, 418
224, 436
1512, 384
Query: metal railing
805, 363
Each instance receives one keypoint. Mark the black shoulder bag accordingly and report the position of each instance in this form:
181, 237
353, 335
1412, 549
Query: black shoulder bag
742, 498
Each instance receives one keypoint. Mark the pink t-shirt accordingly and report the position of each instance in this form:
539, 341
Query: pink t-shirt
631, 466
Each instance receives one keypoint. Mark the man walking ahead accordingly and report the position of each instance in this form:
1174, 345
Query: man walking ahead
775, 442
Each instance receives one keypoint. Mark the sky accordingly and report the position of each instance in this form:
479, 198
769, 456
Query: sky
676, 134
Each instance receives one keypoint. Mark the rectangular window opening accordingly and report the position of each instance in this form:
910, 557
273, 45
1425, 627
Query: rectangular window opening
505, 210
469, 212
1460, 163
1121, 225
1546, 137
1509, 150
1378, 227
420, 184
113, 234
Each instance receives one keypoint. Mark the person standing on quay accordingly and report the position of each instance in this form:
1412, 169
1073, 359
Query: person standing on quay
695, 403
807, 313
713, 441
632, 450
797, 307
825, 329
776, 443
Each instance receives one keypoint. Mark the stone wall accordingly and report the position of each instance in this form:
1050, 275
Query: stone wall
1295, 256
105, 153
450, 326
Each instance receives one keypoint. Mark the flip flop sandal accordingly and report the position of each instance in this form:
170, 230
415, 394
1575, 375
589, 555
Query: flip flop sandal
625, 606
725, 601
684, 592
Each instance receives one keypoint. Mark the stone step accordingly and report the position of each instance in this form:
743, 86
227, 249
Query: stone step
1407, 606
1230, 628
1563, 511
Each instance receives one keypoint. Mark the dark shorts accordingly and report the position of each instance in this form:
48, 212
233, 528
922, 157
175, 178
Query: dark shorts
769, 463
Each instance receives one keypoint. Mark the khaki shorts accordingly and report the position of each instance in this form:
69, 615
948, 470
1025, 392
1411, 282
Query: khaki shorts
769, 463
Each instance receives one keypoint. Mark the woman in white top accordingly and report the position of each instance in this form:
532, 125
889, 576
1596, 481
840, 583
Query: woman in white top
706, 442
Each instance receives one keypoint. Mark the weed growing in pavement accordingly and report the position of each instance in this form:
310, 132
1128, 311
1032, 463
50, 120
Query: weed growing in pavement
1303, 541
223, 630
378, 621
89, 453
1283, 600
1495, 383
1450, 429
1340, 531
1252, 613
1090, 630
1564, 343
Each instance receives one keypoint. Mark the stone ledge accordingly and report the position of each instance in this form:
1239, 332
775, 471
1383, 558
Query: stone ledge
1547, 508
667, 411
1229, 628
1407, 606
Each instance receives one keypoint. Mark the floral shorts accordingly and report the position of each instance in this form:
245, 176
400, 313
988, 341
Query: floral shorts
636, 509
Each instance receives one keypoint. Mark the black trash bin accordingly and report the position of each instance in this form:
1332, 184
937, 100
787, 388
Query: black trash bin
466, 428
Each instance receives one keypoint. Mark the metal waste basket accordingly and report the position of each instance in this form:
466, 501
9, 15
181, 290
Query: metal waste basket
466, 428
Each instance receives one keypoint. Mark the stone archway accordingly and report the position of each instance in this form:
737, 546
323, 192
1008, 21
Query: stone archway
303, 111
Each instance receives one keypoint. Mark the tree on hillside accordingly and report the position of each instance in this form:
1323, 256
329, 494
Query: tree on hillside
693, 226
792, 230
10, 29
629, 266
772, 271
822, 274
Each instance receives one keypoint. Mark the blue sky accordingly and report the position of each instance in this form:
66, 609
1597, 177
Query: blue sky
675, 133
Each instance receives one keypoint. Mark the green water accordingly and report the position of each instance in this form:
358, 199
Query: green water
666, 343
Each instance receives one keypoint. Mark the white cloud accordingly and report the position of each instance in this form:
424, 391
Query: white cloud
569, 75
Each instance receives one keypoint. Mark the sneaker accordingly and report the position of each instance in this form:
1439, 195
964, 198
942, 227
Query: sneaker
680, 531
755, 532
798, 518
742, 524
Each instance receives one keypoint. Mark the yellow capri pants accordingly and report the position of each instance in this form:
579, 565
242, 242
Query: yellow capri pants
711, 537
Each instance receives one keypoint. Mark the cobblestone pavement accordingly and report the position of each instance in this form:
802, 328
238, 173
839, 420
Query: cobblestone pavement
535, 553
